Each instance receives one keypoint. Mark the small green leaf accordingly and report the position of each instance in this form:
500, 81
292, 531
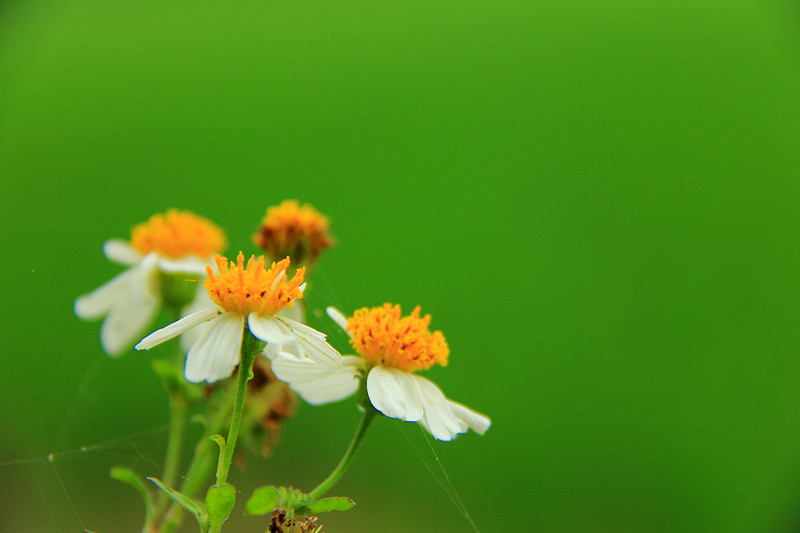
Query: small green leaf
220, 500
220, 440
334, 503
263, 500
187, 503
129, 477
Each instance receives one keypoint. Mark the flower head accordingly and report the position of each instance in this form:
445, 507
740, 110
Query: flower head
291, 230
162, 253
177, 234
385, 338
253, 289
253, 296
389, 347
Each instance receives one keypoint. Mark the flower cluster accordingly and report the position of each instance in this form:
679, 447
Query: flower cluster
244, 317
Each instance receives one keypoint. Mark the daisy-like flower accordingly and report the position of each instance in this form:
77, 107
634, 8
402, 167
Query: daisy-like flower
390, 348
291, 230
160, 254
246, 296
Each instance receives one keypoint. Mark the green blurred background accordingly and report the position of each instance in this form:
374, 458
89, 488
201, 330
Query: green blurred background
597, 202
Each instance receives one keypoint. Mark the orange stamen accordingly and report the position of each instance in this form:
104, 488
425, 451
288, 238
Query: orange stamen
178, 234
252, 288
383, 337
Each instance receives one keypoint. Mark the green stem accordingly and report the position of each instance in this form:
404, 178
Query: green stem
177, 428
201, 465
178, 406
341, 468
245, 373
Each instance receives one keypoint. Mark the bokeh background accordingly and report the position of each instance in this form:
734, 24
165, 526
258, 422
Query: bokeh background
597, 202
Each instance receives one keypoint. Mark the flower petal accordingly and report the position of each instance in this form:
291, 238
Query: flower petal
312, 343
439, 418
395, 393
269, 329
121, 252
338, 317
296, 313
190, 264
300, 328
176, 328
216, 352
200, 301
97, 303
477, 422
125, 322
318, 384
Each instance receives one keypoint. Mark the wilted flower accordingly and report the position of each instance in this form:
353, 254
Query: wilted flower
300, 233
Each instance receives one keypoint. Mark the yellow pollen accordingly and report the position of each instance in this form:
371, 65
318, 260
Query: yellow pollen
289, 229
177, 234
253, 289
383, 337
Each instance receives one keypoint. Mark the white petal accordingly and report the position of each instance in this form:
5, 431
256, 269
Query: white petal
312, 343
176, 328
269, 329
130, 301
121, 251
200, 301
477, 422
300, 329
190, 264
318, 384
339, 318
290, 350
216, 352
125, 322
439, 418
395, 393
99, 301
296, 312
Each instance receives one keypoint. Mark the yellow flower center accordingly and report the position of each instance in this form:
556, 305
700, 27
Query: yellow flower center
383, 337
289, 229
178, 234
253, 289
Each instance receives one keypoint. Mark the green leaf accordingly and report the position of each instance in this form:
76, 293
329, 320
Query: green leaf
334, 503
263, 501
129, 477
186, 502
220, 440
220, 500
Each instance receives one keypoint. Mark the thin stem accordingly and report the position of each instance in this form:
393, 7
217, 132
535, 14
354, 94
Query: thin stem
178, 406
201, 465
245, 374
177, 427
341, 468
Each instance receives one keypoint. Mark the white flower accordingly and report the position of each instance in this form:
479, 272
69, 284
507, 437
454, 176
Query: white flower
390, 349
251, 296
132, 299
